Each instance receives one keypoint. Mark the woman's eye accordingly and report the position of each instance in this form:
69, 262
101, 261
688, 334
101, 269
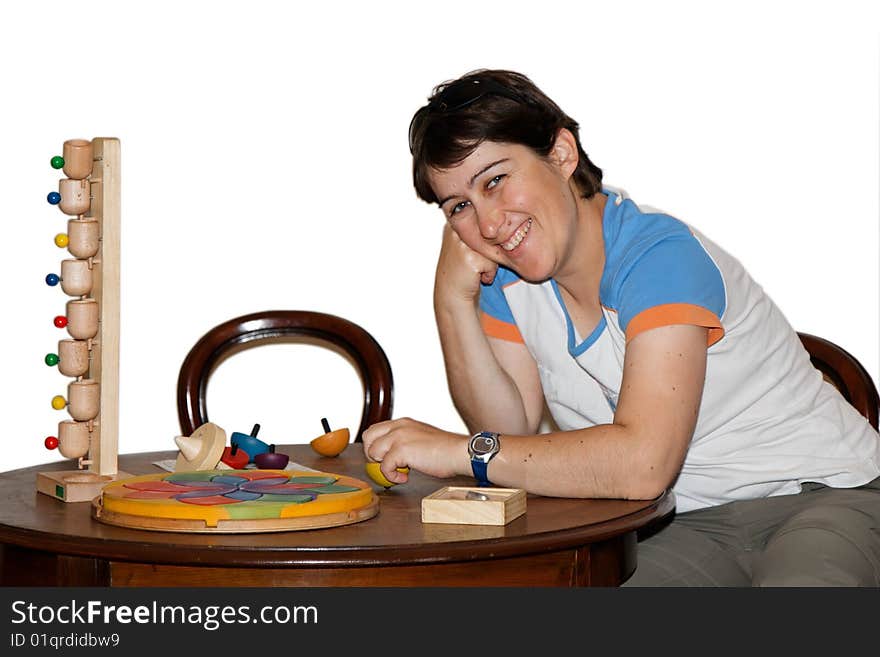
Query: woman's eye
494, 181
458, 207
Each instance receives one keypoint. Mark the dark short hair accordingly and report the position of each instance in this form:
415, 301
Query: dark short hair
489, 105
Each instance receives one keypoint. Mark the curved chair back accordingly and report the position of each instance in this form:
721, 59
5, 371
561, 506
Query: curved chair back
271, 325
844, 372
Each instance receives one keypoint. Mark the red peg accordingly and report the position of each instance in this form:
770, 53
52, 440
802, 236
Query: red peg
51, 442
60, 321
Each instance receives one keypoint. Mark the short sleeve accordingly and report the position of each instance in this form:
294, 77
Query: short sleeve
673, 281
496, 317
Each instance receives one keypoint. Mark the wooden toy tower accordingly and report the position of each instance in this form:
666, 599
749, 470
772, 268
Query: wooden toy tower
90, 196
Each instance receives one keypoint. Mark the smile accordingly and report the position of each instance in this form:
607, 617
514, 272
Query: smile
518, 236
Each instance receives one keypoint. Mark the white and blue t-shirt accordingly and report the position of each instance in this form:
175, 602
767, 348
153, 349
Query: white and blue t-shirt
767, 422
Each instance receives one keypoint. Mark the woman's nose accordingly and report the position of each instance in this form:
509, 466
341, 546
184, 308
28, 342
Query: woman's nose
491, 220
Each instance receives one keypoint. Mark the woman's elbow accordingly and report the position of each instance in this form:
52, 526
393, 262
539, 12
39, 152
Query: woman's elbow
650, 479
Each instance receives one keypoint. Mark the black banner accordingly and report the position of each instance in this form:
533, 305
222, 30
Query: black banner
448, 621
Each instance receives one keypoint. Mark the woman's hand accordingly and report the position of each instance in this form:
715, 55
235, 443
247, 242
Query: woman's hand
411, 444
460, 270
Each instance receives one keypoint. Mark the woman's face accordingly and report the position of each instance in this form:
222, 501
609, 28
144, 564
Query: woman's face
512, 206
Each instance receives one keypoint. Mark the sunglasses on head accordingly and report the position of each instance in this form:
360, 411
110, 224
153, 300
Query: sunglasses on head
457, 96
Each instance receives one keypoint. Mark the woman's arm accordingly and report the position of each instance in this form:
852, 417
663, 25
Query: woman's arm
637, 456
493, 383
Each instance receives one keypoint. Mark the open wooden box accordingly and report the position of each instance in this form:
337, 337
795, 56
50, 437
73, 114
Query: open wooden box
466, 505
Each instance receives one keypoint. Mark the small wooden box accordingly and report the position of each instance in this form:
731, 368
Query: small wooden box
465, 505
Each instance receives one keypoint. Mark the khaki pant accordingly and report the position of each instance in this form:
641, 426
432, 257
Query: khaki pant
820, 537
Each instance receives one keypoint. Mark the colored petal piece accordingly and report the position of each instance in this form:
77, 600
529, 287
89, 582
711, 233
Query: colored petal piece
229, 480
324, 479
220, 490
264, 483
333, 488
206, 475
260, 487
212, 500
298, 498
243, 496
253, 475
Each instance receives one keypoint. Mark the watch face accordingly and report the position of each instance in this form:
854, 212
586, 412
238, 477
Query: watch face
483, 444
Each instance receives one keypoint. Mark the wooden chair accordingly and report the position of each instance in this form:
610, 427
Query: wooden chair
284, 325
844, 372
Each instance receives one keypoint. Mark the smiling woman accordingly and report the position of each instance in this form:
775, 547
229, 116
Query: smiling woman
663, 363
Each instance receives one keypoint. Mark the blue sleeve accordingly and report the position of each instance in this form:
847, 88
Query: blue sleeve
658, 265
492, 299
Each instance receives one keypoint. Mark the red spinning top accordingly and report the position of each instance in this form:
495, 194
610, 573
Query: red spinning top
235, 457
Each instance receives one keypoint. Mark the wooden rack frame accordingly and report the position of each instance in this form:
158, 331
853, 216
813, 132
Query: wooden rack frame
101, 461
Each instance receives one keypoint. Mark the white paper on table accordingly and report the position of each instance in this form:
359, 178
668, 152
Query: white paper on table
169, 465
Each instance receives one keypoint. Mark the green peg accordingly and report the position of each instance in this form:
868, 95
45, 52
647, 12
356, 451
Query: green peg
52, 359
57, 162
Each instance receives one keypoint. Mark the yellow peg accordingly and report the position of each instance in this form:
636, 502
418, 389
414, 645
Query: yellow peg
61, 240
58, 402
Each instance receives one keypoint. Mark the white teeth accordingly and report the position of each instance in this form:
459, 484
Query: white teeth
518, 236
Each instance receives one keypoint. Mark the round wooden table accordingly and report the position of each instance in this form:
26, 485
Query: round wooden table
557, 542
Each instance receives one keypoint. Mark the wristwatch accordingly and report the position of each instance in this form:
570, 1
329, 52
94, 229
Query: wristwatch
482, 448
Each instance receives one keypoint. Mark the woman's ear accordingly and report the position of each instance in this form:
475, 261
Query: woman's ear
564, 153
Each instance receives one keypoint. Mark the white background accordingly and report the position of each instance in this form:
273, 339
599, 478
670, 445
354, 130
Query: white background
265, 166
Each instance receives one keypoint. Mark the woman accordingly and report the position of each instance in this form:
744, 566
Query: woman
662, 362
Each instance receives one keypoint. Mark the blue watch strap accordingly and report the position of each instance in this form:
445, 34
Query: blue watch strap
480, 468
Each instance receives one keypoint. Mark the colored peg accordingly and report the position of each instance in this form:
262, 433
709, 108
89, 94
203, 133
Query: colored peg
52, 360
51, 442
52, 280
58, 402
54, 198
60, 321
61, 240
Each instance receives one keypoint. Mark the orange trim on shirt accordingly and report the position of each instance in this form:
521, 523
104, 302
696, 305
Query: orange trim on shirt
513, 282
676, 313
495, 328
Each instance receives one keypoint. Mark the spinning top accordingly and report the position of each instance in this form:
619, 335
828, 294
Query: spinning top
249, 443
372, 469
201, 450
235, 458
331, 443
271, 460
